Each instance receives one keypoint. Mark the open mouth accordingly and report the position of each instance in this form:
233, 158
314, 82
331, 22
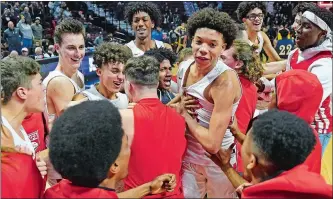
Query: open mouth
202, 58
117, 84
75, 60
167, 81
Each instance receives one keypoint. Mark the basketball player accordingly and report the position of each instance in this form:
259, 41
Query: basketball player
243, 60
217, 90
93, 171
275, 67
64, 82
22, 93
252, 15
314, 54
143, 17
109, 59
166, 58
155, 131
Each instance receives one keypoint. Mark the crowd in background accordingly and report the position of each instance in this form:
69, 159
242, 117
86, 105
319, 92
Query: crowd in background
34, 24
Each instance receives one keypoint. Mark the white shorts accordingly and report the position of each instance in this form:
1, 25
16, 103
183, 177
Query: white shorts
199, 180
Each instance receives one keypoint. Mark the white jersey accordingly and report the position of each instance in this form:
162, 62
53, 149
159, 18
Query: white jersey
195, 153
137, 52
18, 141
260, 44
92, 94
54, 74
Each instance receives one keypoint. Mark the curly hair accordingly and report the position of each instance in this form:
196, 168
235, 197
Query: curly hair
16, 72
162, 54
302, 7
68, 26
212, 19
82, 151
111, 53
143, 70
282, 138
252, 68
184, 53
140, 6
246, 6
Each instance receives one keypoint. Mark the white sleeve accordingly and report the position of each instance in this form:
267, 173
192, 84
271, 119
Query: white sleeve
323, 69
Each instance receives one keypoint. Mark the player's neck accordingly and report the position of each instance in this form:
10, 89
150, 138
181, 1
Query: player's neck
14, 113
105, 92
68, 71
201, 72
109, 183
145, 93
252, 35
145, 44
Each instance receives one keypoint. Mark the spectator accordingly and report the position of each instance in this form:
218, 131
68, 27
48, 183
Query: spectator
50, 52
26, 15
157, 34
13, 37
89, 42
99, 39
6, 17
12, 54
67, 13
39, 53
25, 52
37, 31
26, 30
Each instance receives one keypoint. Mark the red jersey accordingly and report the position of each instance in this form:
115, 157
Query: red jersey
35, 126
158, 145
299, 92
245, 112
20, 177
298, 182
323, 118
65, 189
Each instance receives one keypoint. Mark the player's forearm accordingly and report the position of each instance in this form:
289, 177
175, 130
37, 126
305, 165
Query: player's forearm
233, 176
274, 67
137, 192
202, 134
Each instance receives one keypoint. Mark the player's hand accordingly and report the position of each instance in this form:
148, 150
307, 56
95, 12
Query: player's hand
163, 183
222, 158
41, 165
234, 126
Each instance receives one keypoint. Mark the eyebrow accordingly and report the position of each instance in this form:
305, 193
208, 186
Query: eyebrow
208, 39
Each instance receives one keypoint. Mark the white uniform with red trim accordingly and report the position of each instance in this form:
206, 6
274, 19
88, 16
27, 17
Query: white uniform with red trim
137, 52
317, 60
201, 174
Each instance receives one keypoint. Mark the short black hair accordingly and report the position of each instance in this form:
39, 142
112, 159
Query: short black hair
213, 19
141, 6
324, 14
246, 6
302, 7
143, 70
284, 33
85, 141
161, 54
284, 139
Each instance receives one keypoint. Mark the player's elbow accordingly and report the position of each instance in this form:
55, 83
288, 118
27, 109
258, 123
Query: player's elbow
213, 148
